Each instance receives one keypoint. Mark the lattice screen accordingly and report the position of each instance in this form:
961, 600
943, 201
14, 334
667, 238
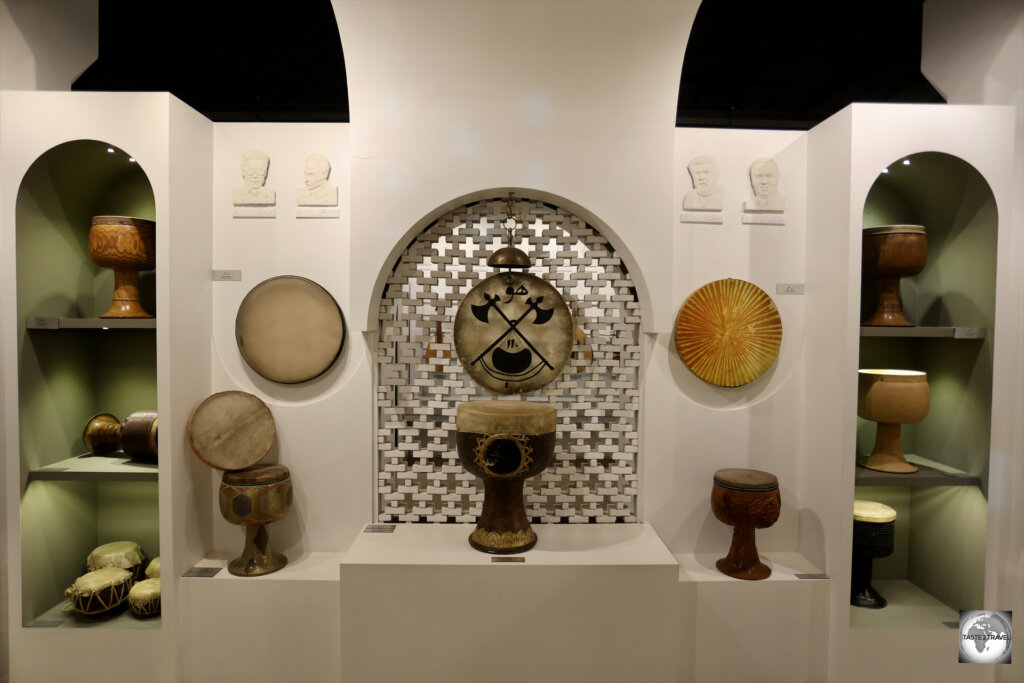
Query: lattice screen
420, 380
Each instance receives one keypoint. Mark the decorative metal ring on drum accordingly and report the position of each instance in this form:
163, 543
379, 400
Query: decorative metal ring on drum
137, 435
144, 598
892, 252
513, 335
99, 591
728, 332
127, 245
503, 443
289, 329
745, 500
891, 398
233, 431
874, 532
125, 555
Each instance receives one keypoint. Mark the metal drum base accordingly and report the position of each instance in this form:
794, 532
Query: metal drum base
257, 557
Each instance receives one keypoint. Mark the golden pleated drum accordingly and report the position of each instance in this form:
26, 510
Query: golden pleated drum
728, 332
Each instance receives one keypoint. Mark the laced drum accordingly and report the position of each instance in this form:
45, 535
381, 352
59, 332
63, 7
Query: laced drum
745, 500
144, 598
504, 443
153, 570
99, 591
121, 554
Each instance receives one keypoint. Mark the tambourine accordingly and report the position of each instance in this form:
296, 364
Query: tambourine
99, 591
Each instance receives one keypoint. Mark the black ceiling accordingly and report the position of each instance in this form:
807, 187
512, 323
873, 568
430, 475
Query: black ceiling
787, 64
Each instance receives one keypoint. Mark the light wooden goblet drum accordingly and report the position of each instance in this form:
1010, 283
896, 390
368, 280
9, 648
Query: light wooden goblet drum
745, 500
874, 526
504, 443
128, 245
891, 252
891, 398
256, 497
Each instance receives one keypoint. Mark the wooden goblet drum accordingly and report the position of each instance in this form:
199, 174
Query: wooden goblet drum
254, 498
128, 245
874, 527
891, 252
892, 398
745, 500
503, 443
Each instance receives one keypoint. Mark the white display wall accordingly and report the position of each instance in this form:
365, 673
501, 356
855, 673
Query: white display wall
578, 110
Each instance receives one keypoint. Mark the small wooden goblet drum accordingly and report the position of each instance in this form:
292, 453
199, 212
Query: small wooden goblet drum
745, 500
256, 497
889, 253
503, 443
128, 245
874, 527
891, 398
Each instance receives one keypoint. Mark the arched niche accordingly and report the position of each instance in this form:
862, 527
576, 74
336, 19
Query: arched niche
419, 380
67, 375
941, 530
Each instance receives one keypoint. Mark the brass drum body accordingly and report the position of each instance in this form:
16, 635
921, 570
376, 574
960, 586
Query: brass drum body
254, 498
504, 443
745, 500
128, 245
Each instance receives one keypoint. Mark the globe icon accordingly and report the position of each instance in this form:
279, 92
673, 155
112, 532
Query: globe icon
985, 638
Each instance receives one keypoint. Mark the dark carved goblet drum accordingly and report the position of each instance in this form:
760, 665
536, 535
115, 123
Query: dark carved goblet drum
892, 252
874, 526
503, 443
255, 497
745, 500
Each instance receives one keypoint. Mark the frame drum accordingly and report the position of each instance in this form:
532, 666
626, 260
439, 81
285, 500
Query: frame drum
231, 430
289, 329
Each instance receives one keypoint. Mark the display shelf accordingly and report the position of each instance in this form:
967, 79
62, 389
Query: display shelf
926, 332
909, 607
930, 473
44, 323
89, 467
308, 566
785, 566
122, 618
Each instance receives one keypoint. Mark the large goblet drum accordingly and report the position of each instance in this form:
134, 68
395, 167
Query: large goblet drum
874, 526
254, 498
745, 500
892, 252
128, 245
891, 398
503, 443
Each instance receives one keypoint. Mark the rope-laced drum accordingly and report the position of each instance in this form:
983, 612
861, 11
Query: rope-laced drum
99, 591
121, 554
144, 598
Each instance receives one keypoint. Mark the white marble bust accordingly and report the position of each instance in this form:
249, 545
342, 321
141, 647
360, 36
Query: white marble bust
318, 191
706, 194
764, 179
255, 165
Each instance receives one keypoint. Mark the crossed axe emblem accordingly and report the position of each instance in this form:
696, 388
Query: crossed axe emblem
482, 313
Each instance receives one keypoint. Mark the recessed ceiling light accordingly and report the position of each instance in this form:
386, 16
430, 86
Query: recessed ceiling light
885, 170
131, 159
110, 150
906, 162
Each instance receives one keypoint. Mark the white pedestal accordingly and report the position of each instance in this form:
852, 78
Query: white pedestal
769, 630
278, 627
588, 603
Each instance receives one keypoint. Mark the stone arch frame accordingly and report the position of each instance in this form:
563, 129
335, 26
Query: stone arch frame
419, 380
